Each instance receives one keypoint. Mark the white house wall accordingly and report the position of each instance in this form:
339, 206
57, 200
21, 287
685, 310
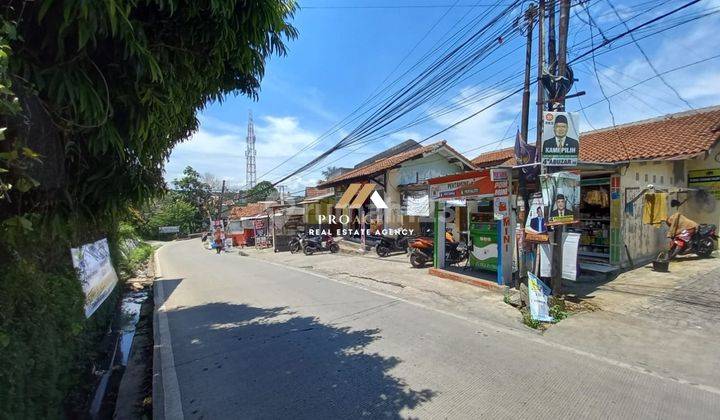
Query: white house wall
393, 215
643, 241
427, 167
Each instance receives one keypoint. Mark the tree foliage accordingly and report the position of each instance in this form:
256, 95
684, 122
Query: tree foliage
193, 190
120, 82
93, 96
260, 192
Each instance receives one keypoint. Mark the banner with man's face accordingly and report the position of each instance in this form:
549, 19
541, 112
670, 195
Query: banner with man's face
560, 139
561, 195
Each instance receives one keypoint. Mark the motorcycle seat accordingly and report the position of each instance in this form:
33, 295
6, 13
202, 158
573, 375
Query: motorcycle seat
705, 229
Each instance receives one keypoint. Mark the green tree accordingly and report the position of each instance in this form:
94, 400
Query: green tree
112, 86
93, 97
172, 210
260, 192
196, 192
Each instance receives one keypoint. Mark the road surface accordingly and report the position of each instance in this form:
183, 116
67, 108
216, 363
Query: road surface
241, 338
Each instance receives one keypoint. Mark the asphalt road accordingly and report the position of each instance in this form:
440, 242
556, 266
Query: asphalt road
241, 338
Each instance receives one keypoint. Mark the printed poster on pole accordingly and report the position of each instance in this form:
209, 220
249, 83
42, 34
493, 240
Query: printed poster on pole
560, 139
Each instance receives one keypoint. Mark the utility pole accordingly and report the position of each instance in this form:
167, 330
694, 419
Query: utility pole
524, 121
557, 257
281, 193
220, 202
551, 33
540, 66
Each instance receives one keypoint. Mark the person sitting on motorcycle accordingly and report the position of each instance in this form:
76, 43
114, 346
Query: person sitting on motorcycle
677, 223
448, 235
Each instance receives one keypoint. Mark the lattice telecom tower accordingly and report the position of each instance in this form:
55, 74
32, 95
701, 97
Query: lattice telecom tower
250, 173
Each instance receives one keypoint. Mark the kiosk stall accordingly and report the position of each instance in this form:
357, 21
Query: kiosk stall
482, 197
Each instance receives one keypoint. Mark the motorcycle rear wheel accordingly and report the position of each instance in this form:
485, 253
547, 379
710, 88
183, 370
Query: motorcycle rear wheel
294, 248
382, 250
705, 248
334, 248
308, 250
418, 260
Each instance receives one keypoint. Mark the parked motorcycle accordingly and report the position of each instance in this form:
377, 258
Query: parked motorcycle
700, 241
319, 244
388, 244
423, 248
297, 242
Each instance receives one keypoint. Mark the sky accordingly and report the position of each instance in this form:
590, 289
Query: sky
350, 50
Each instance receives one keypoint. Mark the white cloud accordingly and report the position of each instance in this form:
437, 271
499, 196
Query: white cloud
219, 147
484, 129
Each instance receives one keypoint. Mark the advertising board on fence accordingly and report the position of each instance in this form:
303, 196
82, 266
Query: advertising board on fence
560, 139
169, 229
96, 273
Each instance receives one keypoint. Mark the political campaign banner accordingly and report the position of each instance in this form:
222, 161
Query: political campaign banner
561, 195
536, 221
95, 270
538, 294
560, 139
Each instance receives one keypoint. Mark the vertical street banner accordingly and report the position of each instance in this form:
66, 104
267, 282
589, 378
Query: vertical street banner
561, 194
95, 270
560, 139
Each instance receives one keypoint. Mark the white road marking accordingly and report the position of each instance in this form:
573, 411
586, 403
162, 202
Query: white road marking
170, 386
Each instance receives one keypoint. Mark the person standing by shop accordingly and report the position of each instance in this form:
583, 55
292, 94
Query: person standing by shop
219, 239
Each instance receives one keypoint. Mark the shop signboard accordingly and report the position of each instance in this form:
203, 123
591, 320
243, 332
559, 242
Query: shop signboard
560, 139
705, 179
561, 196
96, 273
499, 175
471, 184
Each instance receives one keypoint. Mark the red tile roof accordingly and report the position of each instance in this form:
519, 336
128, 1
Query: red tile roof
252, 209
495, 158
675, 136
387, 163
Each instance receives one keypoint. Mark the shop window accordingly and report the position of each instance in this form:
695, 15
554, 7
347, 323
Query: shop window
646, 177
654, 179
662, 179
637, 176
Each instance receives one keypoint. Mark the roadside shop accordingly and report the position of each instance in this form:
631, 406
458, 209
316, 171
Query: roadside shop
474, 206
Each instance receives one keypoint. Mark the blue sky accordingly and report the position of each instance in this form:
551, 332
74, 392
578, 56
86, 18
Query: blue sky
343, 55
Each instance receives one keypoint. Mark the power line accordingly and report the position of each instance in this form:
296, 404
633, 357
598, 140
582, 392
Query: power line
406, 6
594, 48
645, 56
629, 31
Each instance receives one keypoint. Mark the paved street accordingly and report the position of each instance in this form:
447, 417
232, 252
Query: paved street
242, 338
